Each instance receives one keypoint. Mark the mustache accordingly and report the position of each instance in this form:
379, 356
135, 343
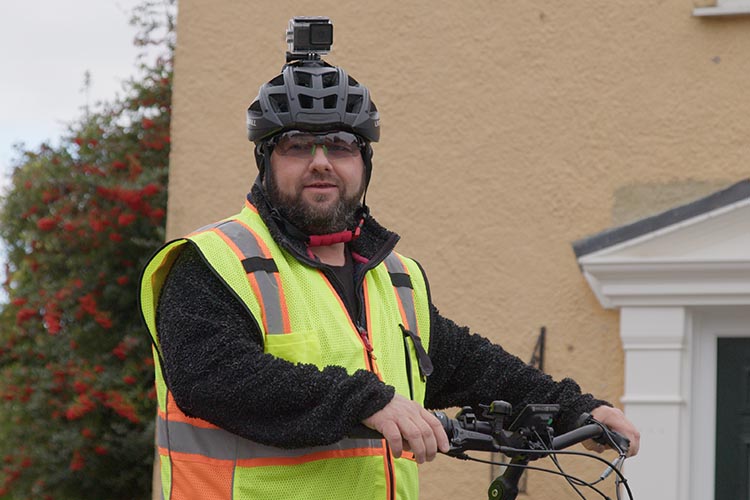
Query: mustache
321, 177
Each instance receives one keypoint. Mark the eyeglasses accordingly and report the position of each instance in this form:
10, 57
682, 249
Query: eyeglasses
302, 145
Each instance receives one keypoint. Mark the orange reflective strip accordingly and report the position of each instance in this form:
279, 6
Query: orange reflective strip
365, 357
276, 276
200, 477
402, 312
368, 316
195, 422
390, 476
250, 277
404, 296
203, 229
250, 206
338, 299
177, 415
415, 327
311, 457
194, 457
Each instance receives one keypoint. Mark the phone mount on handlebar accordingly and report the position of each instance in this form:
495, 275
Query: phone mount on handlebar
528, 437
488, 432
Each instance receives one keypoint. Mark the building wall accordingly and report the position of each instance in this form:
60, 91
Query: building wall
509, 129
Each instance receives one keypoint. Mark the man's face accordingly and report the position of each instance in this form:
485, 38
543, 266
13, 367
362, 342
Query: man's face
317, 181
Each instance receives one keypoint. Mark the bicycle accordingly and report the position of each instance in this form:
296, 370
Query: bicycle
529, 437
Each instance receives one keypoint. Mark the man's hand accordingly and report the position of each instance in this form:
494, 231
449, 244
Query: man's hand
615, 420
405, 424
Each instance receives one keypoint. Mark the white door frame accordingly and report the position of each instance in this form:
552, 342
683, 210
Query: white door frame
709, 325
678, 289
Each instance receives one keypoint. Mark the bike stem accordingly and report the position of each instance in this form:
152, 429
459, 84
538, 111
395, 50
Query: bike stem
505, 486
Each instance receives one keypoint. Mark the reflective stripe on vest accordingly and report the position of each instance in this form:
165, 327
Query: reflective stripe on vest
196, 454
261, 270
218, 444
404, 291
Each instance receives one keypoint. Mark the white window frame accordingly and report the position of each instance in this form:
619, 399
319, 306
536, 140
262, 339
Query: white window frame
724, 8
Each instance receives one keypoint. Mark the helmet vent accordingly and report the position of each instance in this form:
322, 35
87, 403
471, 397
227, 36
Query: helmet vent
255, 106
353, 82
354, 104
303, 79
330, 80
279, 103
305, 101
277, 82
329, 101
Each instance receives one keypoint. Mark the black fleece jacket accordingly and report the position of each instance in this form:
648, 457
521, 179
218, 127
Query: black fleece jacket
214, 363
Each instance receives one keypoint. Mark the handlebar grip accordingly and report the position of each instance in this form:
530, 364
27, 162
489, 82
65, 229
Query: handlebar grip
591, 431
605, 438
446, 421
588, 431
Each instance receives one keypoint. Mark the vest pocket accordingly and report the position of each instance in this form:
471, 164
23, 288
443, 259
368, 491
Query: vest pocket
296, 347
408, 358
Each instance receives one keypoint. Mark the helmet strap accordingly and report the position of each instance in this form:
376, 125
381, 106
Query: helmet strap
367, 159
262, 152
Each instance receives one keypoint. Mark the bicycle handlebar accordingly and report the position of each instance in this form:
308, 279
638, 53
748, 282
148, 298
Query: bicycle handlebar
478, 435
529, 437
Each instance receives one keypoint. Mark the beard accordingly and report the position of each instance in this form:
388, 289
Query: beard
317, 217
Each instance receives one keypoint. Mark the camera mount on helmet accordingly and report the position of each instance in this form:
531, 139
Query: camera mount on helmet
308, 38
311, 95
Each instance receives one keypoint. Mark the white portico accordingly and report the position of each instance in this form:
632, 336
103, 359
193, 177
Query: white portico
681, 280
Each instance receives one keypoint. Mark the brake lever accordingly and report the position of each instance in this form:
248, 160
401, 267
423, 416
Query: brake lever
462, 439
608, 437
618, 439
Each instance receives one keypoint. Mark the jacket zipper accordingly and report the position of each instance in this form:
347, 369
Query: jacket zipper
364, 334
360, 323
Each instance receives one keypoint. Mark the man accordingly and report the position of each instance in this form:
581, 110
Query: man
279, 330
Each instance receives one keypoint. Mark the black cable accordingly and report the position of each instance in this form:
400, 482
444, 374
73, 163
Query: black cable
506, 450
606, 431
624, 482
619, 479
532, 467
520, 451
570, 481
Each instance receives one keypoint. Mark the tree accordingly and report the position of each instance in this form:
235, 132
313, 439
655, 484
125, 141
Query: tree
79, 222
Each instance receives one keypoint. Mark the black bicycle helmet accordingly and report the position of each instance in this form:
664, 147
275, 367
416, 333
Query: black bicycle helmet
314, 96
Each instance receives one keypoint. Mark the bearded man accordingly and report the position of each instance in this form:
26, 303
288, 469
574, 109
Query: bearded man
279, 330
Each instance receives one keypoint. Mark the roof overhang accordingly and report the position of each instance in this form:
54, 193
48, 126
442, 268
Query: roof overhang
696, 254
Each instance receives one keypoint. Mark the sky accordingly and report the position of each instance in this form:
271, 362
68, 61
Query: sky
46, 47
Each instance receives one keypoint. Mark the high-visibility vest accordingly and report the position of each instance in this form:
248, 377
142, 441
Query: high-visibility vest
303, 320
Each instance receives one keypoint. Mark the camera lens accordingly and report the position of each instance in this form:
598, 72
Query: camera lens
321, 34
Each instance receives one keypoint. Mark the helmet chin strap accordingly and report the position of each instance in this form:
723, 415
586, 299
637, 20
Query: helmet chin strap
263, 160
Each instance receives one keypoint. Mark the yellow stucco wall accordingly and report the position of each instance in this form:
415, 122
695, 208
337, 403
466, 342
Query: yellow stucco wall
509, 129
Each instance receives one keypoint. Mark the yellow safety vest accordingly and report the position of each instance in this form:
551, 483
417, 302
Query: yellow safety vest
302, 320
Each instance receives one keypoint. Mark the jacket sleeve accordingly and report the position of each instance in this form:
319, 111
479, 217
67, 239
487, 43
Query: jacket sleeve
215, 366
469, 370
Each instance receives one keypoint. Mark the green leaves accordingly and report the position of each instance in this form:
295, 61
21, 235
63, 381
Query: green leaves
79, 222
